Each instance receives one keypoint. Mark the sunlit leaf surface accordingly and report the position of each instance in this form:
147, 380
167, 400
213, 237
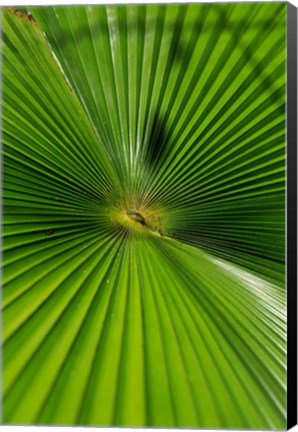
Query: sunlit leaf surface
144, 177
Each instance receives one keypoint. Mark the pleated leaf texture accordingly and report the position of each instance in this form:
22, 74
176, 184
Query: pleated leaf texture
144, 215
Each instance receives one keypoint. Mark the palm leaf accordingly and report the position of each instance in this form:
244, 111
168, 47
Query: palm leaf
144, 171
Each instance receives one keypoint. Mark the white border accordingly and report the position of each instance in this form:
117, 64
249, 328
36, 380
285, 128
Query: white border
91, 2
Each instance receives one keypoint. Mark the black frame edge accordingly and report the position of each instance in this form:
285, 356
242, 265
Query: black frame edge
292, 215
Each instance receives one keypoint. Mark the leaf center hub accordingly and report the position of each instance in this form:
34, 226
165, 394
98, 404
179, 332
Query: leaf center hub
136, 217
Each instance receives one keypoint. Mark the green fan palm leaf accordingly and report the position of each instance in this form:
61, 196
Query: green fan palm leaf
144, 193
